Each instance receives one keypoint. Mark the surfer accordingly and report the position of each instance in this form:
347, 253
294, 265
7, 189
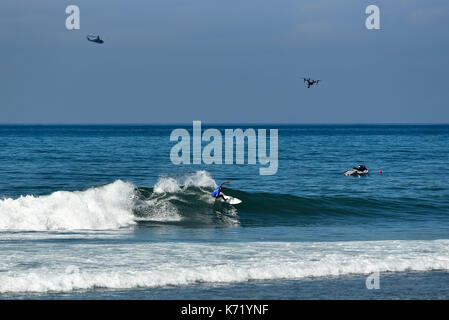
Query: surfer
217, 192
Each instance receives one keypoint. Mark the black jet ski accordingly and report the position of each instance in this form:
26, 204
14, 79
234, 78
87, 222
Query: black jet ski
361, 170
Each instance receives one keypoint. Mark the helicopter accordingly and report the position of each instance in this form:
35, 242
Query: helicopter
95, 39
310, 82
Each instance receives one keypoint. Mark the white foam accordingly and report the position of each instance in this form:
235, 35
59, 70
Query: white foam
100, 208
162, 264
105, 207
200, 179
161, 210
170, 185
166, 185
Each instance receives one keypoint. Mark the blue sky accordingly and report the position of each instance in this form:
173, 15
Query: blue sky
234, 61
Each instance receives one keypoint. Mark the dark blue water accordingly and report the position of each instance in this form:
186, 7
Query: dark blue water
101, 212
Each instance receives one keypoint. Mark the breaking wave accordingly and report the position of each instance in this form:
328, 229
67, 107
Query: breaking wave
116, 205
104, 207
185, 264
186, 201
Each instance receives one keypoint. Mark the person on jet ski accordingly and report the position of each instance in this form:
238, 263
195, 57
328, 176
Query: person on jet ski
361, 168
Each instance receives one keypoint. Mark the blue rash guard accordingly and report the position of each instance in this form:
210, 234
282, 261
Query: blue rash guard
216, 192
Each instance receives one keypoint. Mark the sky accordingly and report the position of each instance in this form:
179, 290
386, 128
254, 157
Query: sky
233, 61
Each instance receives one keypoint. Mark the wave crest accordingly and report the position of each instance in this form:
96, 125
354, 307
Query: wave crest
200, 179
105, 207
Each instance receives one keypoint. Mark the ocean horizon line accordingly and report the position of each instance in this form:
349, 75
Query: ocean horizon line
130, 124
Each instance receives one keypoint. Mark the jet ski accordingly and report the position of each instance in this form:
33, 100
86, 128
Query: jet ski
361, 170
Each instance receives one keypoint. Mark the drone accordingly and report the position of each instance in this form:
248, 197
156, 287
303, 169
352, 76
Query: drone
96, 39
310, 82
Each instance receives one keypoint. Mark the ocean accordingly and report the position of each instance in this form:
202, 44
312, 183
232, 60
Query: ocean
101, 212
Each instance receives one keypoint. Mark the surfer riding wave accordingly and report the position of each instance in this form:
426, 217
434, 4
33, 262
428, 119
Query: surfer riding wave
218, 191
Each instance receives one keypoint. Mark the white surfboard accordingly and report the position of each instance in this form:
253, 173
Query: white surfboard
232, 200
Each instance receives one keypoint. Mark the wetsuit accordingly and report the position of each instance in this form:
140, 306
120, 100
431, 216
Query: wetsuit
217, 193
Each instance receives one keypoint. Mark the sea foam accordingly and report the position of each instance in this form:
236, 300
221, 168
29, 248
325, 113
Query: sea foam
105, 207
200, 179
163, 264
